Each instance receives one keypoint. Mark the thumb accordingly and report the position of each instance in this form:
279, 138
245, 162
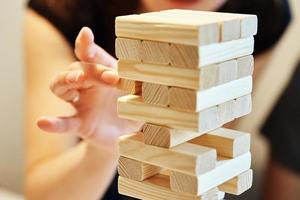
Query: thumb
59, 124
87, 51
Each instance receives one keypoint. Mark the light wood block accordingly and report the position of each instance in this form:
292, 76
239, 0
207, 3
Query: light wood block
165, 137
130, 86
155, 52
226, 169
128, 49
227, 142
186, 158
238, 184
158, 188
155, 94
176, 54
192, 100
245, 66
248, 23
243, 106
132, 107
196, 79
136, 170
165, 29
182, 55
229, 25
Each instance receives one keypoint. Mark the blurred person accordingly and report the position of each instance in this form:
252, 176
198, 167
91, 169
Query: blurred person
60, 166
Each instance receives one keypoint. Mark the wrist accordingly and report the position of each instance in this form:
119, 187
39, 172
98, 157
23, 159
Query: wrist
110, 149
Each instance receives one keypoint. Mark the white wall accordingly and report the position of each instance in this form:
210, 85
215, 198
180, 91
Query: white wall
11, 90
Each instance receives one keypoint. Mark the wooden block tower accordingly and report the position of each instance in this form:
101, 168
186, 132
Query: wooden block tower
189, 73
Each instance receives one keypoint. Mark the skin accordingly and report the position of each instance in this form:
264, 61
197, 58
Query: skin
86, 95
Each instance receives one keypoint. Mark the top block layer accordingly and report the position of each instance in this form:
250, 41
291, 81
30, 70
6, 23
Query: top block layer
186, 27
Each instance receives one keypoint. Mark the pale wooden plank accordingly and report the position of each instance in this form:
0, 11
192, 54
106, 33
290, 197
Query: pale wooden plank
165, 137
224, 51
130, 86
238, 184
155, 52
128, 49
229, 25
184, 55
226, 169
227, 142
196, 79
192, 56
194, 159
192, 100
155, 94
158, 188
245, 66
165, 29
132, 107
248, 23
136, 170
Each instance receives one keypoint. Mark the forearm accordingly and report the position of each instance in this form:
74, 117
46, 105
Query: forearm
83, 172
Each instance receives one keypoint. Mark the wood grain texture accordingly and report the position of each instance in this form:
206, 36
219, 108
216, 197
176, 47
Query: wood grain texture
226, 169
158, 188
136, 170
155, 52
187, 27
155, 94
248, 23
227, 142
192, 100
128, 49
238, 184
132, 107
165, 29
194, 159
165, 137
130, 86
196, 79
187, 56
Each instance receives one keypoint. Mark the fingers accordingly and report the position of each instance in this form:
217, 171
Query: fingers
59, 124
87, 51
67, 84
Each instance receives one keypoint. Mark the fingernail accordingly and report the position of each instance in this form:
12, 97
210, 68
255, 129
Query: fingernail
110, 77
73, 76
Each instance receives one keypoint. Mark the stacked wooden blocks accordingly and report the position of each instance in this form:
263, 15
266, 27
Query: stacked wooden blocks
188, 72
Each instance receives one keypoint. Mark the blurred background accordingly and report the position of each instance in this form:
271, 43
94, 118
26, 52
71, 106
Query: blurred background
12, 89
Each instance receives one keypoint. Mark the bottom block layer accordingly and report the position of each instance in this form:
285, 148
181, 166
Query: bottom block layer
158, 188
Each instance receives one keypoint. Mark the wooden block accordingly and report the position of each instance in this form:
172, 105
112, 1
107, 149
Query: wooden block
245, 66
155, 52
128, 49
194, 159
229, 25
155, 94
227, 142
196, 79
158, 188
165, 137
228, 71
192, 100
130, 86
226, 169
176, 54
248, 23
238, 184
184, 56
132, 107
136, 170
166, 29
243, 106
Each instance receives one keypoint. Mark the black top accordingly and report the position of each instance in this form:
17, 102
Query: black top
69, 16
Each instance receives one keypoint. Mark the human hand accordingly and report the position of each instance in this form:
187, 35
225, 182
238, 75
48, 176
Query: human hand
90, 86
